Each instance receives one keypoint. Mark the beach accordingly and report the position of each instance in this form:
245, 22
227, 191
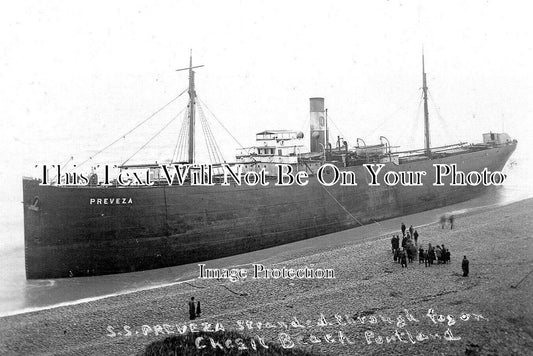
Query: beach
372, 306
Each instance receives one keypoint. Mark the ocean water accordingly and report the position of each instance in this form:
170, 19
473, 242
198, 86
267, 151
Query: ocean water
19, 295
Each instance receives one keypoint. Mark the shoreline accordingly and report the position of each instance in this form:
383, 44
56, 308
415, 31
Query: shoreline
375, 230
367, 283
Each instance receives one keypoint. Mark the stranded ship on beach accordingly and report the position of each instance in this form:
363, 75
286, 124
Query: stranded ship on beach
96, 229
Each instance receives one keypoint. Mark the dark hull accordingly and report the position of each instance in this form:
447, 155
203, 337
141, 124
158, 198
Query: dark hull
168, 226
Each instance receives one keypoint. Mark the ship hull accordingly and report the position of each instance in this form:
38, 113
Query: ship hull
72, 233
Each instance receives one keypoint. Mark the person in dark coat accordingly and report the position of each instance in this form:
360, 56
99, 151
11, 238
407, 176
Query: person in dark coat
403, 229
444, 254
426, 258
192, 309
412, 252
431, 254
411, 230
395, 246
409, 254
403, 257
451, 219
397, 242
420, 255
415, 236
464, 265
404, 241
393, 242
198, 309
397, 255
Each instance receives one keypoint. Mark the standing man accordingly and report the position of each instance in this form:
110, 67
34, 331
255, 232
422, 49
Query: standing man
451, 218
415, 235
403, 258
198, 309
465, 267
403, 229
192, 309
431, 254
397, 242
411, 230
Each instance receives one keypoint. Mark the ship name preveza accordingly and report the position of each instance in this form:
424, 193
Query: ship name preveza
110, 201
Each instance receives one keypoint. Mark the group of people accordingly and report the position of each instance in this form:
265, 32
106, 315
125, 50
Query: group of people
432, 254
404, 250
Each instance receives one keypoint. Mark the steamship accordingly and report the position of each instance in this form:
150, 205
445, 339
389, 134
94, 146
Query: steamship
163, 225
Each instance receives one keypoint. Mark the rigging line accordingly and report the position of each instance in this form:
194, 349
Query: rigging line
399, 137
182, 149
183, 142
175, 147
391, 115
207, 141
441, 118
334, 124
172, 158
212, 142
184, 129
220, 123
217, 152
178, 141
64, 165
151, 139
224, 127
412, 133
133, 129
418, 113
343, 208
306, 121
183, 152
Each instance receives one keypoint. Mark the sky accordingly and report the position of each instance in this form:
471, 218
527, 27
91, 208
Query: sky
76, 75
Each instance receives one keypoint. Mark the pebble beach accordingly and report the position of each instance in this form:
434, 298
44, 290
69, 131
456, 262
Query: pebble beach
371, 307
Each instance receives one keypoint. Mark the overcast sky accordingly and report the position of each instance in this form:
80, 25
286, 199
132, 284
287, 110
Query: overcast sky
75, 75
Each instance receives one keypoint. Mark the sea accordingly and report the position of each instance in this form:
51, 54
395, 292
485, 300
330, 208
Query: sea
18, 295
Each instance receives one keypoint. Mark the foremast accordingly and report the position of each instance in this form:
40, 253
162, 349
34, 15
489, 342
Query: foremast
192, 108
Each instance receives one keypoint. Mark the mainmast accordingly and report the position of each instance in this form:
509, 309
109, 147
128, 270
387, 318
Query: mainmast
192, 109
427, 148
